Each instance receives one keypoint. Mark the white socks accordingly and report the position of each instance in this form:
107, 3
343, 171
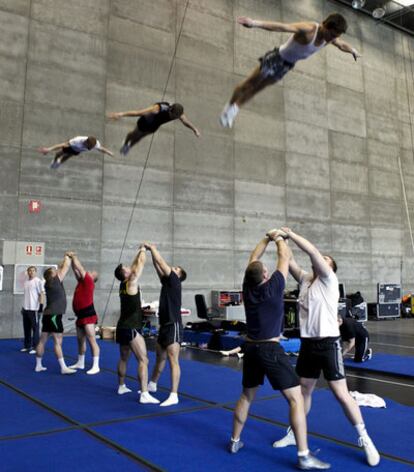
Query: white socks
39, 367
146, 397
80, 364
95, 366
361, 430
152, 386
228, 115
171, 400
123, 389
64, 369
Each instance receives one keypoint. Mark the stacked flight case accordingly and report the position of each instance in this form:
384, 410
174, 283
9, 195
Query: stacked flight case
388, 302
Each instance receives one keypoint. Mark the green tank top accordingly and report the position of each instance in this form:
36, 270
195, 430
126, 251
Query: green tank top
131, 312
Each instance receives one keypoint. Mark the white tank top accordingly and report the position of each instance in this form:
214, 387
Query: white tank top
291, 51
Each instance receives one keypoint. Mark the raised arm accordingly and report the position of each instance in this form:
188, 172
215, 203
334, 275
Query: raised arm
56, 147
295, 270
144, 111
301, 27
186, 122
259, 250
77, 268
162, 268
64, 266
320, 265
103, 150
345, 47
137, 265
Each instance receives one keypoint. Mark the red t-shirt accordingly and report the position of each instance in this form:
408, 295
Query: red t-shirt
83, 296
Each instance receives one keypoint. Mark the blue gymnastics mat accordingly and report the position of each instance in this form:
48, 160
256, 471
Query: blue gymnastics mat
386, 363
197, 441
391, 428
67, 451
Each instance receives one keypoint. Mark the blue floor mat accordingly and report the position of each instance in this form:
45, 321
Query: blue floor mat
64, 452
166, 441
21, 416
388, 363
391, 428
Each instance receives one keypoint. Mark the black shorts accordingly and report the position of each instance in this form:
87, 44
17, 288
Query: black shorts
361, 347
124, 336
267, 359
320, 355
170, 334
145, 126
52, 324
69, 151
273, 66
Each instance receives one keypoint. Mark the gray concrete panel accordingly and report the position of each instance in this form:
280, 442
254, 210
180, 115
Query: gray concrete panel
67, 49
346, 112
20, 7
8, 212
386, 214
203, 230
307, 171
11, 114
14, 37
384, 185
383, 155
348, 207
318, 233
350, 178
143, 12
306, 138
199, 193
249, 229
383, 129
253, 198
406, 133
346, 147
12, 78
354, 270
350, 238
259, 164
208, 155
342, 70
6, 320
89, 16
10, 165
386, 269
380, 91
307, 203
386, 241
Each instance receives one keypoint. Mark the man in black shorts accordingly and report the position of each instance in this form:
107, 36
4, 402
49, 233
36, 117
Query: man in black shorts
150, 119
354, 335
170, 333
52, 315
264, 357
73, 147
320, 348
128, 329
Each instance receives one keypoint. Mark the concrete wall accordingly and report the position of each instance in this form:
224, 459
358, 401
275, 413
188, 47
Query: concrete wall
318, 151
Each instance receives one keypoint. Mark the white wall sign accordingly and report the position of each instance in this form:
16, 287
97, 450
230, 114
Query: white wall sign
23, 252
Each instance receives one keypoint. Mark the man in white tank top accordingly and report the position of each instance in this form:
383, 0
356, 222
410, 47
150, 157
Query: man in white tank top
320, 342
306, 39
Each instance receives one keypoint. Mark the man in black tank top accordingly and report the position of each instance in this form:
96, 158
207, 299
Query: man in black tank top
264, 356
129, 326
52, 314
170, 324
150, 119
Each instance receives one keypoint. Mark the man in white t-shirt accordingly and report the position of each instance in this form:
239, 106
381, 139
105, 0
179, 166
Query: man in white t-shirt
34, 297
320, 340
73, 147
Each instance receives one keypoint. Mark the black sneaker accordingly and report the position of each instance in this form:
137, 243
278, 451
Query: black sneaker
235, 446
310, 462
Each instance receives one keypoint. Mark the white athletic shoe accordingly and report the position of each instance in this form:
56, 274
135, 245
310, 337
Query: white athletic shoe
146, 397
171, 400
123, 389
93, 371
76, 366
24, 349
288, 440
373, 457
67, 371
32, 351
228, 115
40, 369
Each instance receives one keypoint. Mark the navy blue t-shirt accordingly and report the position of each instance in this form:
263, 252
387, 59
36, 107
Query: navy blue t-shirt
264, 307
169, 310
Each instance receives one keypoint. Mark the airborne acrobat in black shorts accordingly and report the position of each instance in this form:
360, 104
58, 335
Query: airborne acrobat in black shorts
169, 334
267, 359
318, 355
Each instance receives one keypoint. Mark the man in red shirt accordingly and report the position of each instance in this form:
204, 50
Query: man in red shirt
85, 314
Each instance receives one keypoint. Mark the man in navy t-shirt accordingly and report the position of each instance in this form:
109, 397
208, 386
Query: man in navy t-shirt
170, 334
264, 357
